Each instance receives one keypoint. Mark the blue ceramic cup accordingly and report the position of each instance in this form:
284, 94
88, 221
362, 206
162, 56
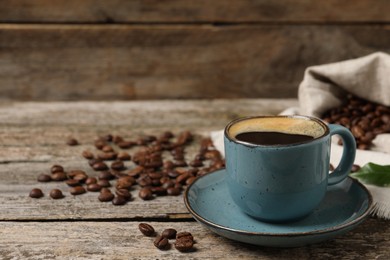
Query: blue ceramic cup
283, 182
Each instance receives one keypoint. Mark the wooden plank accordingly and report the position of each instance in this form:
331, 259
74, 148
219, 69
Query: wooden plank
122, 240
154, 11
92, 62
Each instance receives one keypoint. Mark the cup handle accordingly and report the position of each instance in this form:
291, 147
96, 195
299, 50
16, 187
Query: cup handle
348, 157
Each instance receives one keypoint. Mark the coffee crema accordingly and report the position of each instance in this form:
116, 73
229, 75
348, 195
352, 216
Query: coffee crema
272, 138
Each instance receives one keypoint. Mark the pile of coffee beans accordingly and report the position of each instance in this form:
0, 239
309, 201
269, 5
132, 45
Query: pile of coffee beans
365, 119
157, 165
184, 240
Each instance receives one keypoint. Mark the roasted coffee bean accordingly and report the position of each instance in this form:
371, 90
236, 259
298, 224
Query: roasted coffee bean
104, 183
56, 168
146, 194
190, 180
156, 182
119, 200
118, 165
135, 172
164, 179
107, 138
107, 149
100, 166
168, 134
93, 161
106, 175
59, 176
81, 177
125, 182
99, 144
72, 183
159, 191
77, 190
56, 194
173, 191
123, 193
124, 156
168, 184
172, 173
199, 157
146, 229
182, 178
355, 168
105, 189
117, 139
213, 155
106, 196
72, 142
168, 164
90, 180
155, 175
73, 173
169, 233
144, 181
184, 241
44, 178
107, 156
161, 242
180, 163
87, 154
196, 163
36, 193
94, 187
126, 144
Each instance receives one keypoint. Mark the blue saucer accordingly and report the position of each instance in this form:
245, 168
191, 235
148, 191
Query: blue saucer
345, 206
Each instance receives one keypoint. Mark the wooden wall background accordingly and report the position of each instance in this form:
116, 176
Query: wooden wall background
152, 49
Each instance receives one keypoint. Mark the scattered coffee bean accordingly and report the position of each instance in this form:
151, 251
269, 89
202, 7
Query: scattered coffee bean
118, 165
107, 149
99, 144
146, 194
190, 180
94, 187
80, 177
106, 175
184, 241
56, 168
107, 138
56, 194
100, 166
87, 155
169, 233
107, 156
77, 190
146, 229
123, 193
119, 200
124, 156
59, 176
106, 196
104, 183
72, 183
90, 180
44, 178
161, 242
173, 191
72, 142
36, 193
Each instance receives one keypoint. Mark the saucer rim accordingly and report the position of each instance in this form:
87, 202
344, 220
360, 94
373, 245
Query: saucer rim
332, 229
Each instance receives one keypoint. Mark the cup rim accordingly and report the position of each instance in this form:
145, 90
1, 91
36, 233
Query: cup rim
317, 120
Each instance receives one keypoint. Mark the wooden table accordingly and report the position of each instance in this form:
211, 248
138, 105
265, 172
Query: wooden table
33, 138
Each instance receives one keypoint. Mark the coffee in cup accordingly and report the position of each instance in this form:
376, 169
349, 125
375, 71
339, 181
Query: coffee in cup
278, 166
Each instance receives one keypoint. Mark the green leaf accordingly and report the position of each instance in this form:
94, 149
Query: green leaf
374, 174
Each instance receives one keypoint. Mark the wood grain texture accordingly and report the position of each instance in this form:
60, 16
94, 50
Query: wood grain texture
122, 240
111, 62
200, 11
